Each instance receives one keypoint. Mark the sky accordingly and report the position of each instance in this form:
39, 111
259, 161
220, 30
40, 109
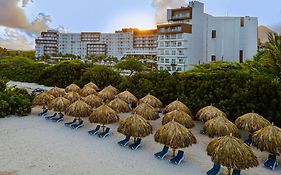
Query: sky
22, 20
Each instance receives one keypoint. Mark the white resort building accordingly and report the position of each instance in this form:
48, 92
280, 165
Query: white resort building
189, 37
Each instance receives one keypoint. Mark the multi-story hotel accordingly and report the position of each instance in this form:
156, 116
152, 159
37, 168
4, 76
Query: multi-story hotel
189, 37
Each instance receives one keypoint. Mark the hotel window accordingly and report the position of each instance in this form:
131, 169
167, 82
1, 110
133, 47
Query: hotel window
173, 52
179, 44
214, 34
173, 61
161, 68
242, 22
169, 68
166, 60
180, 61
166, 52
179, 69
162, 60
241, 56
213, 58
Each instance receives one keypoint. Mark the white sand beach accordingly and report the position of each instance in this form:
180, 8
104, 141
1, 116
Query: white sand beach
33, 146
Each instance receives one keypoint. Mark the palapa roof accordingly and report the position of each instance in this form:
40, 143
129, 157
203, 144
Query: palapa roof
72, 88
106, 95
231, 152
57, 92
93, 100
268, 139
42, 99
135, 126
79, 109
220, 126
127, 97
87, 91
174, 135
151, 100
177, 105
119, 105
104, 115
59, 104
180, 117
251, 122
208, 113
92, 85
72, 96
146, 111
111, 89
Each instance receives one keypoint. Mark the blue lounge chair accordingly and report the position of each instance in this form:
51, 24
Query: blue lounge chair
77, 125
125, 141
57, 119
249, 140
163, 153
271, 162
236, 172
50, 116
70, 123
179, 157
215, 170
94, 131
104, 134
136, 144
45, 112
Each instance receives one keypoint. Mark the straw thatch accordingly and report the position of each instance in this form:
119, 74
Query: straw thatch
59, 104
180, 117
111, 89
177, 105
208, 113
57, 92
127, 97
135, 126
268, 139
92, 85
151, 100
72, 88
119, 105
231, 152
251, 122
72, 96
146, 111
174, 135
104, 115
106, 95
87, 91
43, 99
93, 100
220, 126
79, 109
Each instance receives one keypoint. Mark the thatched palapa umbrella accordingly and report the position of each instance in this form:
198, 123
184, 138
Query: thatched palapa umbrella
177, 105
72, 88
208, 113
127, 97
179, 116
220, 126
151, 100
119, 105
59, 104
231, 152
92, 85
111, 89
135, 126
93, 100
268, 139
104, 115
174, 135
72, 96
87, 91
251, 122
106, 95
146, 111
57, 92
79, 109
42, 99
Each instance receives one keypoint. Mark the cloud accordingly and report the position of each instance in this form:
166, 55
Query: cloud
13, 39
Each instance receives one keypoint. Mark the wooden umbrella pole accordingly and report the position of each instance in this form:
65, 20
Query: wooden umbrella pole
174, 152
229, 171
103, 127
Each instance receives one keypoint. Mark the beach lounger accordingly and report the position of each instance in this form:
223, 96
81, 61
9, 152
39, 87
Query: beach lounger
57, 119
77, 125
45, 112
179, 157
50, 116
163, 153
70, 123
125, 141
236, 172
271, 162
136, 144
94, 131
105, 133
249, 140
215, 170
